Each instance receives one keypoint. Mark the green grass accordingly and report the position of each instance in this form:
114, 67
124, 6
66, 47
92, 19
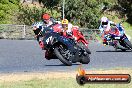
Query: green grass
58, 83
127, 26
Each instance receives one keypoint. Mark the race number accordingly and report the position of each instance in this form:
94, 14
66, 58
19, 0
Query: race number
117, 37
49, 39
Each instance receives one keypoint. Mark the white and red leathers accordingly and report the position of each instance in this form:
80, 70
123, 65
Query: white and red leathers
105, 28
73, 32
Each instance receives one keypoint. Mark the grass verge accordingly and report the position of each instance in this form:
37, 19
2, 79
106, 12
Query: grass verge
56, 80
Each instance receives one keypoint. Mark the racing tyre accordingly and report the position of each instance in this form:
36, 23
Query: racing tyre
87, 50
128, 43
85, 59
49, 55
119, 45
123, 50
61, 58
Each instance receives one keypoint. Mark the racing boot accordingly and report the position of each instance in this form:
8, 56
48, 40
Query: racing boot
105, 43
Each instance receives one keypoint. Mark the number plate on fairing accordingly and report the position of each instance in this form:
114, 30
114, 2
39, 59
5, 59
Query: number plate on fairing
117, 37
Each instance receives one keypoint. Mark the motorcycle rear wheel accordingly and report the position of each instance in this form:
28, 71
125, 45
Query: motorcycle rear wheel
85, 59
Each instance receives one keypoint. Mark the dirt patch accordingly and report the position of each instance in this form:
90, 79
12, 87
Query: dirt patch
51, 75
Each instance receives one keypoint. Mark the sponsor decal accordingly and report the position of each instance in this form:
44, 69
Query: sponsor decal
82, 78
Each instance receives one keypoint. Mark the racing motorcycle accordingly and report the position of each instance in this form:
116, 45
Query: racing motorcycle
63, 48
118, 39
37, 29
76, 34
79, 37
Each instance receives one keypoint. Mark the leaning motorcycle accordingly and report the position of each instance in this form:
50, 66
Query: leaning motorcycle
63, 48
79, 37
76, 34
118, 39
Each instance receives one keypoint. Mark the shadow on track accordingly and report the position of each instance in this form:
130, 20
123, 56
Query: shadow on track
62, 65
113, 51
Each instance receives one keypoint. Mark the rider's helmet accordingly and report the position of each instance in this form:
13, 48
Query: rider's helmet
64, 23
46, 18
104, 21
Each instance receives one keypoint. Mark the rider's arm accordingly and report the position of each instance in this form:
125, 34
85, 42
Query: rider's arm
53, 20
69, 31
112, 23
101, 29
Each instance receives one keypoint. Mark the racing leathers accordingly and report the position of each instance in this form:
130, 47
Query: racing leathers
104, 30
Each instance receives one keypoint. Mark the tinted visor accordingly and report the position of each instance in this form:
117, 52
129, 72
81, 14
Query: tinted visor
104, 23
46, 20
64, 25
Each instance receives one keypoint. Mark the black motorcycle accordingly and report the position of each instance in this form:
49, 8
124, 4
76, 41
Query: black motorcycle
65, 49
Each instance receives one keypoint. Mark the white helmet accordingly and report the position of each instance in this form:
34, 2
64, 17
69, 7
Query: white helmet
104, 21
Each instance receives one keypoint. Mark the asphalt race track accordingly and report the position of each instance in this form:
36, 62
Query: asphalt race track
26, 56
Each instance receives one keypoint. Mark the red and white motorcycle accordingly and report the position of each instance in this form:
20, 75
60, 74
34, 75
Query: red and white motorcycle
79, 37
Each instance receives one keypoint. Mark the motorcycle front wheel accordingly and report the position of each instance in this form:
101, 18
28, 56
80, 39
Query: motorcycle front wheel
128, 43
64, 60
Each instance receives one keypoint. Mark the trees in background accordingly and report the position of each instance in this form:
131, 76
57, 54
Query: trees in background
84, 13
8, 10
28, 15
127, 6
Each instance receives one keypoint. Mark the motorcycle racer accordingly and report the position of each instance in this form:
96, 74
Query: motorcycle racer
105, 28
47, 20
66, 27
73, 33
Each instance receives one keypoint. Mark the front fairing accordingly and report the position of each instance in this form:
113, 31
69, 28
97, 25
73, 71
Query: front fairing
121, 29
51, 38
117, 32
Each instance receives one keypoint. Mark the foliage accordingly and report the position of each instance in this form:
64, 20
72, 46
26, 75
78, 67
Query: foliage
50, 3
28, 15
7, 9
127, 6
83, 12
